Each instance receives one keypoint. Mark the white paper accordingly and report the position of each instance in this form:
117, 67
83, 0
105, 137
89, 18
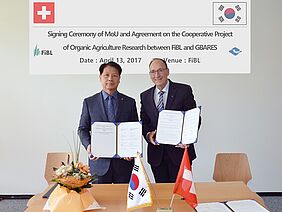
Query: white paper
246, 206
212, 207
197, 37
169, 127
129, 139
103, 139
109, 139
190, 126
93, 206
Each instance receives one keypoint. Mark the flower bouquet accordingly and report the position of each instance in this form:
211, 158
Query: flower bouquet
74, 178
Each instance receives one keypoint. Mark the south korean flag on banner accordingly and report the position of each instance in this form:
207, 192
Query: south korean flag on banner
229, 13
139, 194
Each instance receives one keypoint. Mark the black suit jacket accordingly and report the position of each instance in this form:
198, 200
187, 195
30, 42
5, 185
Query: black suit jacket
180, 98
93, 110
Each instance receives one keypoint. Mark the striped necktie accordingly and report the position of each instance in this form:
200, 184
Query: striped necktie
160, 105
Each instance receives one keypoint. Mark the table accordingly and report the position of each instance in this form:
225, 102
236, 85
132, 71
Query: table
113, 196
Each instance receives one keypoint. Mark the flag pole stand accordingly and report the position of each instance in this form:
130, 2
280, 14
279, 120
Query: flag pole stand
167, 209
164, 209
171, 200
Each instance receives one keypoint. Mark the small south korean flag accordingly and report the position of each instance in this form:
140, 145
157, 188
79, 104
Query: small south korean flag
229, 13
139, 193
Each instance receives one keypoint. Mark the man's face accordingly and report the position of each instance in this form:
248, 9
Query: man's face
110, 79
159, 73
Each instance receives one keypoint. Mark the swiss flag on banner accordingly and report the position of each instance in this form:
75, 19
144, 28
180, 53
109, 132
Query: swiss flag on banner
184, 185
44, 12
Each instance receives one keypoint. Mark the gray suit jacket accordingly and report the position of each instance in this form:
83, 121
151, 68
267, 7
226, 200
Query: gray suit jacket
93, 110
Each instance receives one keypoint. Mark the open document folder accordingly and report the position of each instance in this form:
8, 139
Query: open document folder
110, 139
178, 127
236, 205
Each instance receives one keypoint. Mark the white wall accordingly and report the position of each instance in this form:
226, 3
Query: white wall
241, 113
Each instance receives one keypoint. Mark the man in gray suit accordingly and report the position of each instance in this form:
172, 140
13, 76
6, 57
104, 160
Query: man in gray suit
107, 106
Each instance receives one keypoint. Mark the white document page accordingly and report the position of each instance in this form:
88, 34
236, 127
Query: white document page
169, 127
103, 139
129, 139
190, 126
212, 207
246, 206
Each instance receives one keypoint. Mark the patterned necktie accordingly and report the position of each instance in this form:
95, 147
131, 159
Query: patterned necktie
111, 109
160, 105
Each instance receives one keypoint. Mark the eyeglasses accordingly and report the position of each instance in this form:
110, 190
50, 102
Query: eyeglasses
159, 71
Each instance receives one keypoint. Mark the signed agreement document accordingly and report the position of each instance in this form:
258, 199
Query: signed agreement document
178, 127
236, 205
212, 207
245, 206
109, 139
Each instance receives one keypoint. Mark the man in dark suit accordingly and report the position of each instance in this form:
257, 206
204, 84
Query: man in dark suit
164, 159
107, 106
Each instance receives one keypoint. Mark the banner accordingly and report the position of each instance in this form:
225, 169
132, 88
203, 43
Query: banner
71, 37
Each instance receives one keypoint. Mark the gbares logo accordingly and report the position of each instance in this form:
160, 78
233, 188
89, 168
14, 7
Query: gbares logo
43, 52
235, 51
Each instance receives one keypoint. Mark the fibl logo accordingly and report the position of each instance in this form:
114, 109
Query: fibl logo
45, 52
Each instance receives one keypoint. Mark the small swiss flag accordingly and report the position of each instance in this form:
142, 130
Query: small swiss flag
44, 12
184, 184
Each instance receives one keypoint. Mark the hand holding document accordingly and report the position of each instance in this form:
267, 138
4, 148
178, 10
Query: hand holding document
116, 140
176, 127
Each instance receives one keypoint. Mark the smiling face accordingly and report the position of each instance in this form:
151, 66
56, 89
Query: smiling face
110, 79
159, 73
